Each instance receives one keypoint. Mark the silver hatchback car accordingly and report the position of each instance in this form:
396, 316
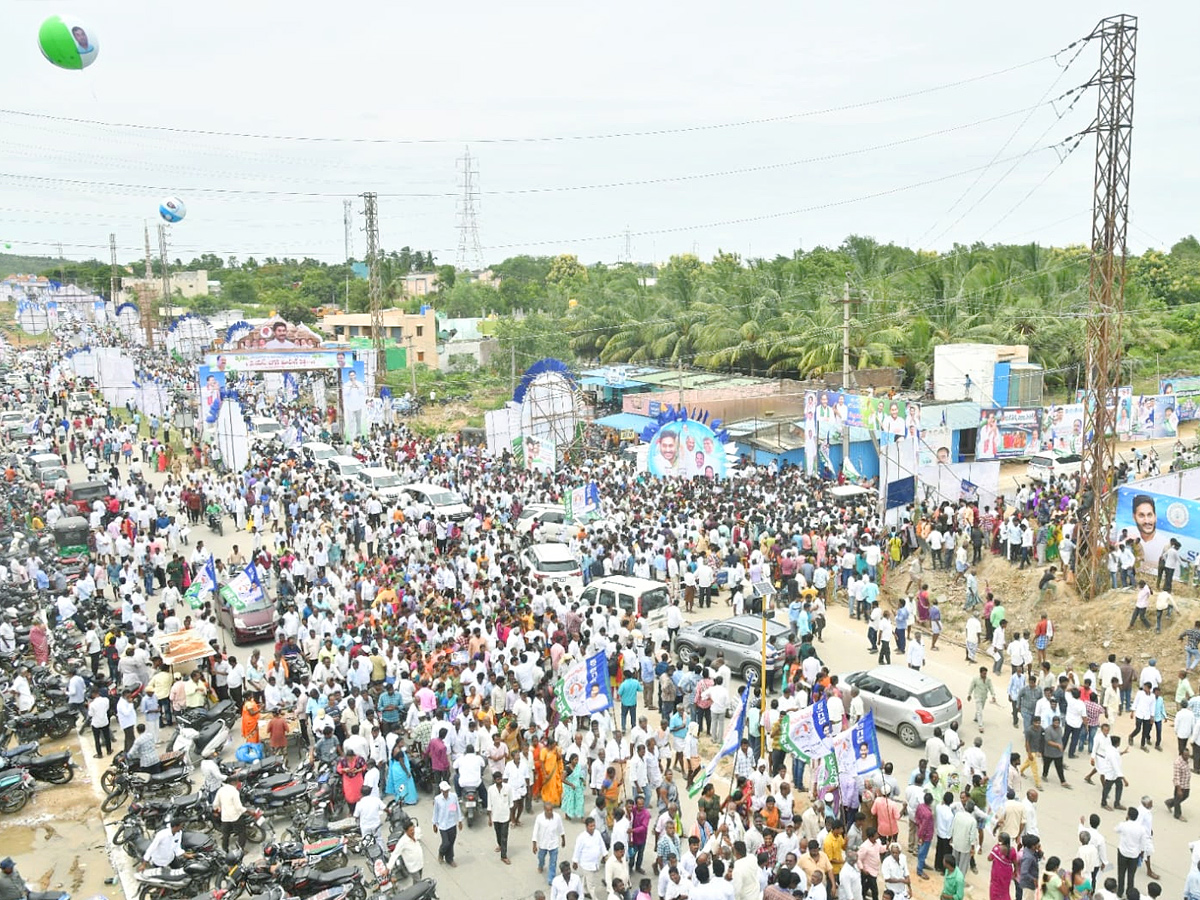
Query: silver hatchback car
739, 640
908, 703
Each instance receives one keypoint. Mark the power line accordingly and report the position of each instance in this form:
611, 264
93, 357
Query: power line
655, 132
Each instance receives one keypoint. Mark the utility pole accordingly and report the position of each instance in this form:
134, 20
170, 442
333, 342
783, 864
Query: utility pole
375, 289
347, 219
62, 265
1113, 128
113, 277
150, 310
412, 364
512, 364
469, 257
845, 363
149, 269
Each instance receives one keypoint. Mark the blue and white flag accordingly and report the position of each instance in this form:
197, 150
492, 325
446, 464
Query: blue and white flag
582, 689
204, 582
997, 789
729, 745
244, 590
806, 732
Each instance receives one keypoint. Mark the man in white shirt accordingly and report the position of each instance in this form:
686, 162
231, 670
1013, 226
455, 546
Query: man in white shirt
369, 812
588, 859
165, 846
849, 886
499, 805
228, 804
548, 836
566, 882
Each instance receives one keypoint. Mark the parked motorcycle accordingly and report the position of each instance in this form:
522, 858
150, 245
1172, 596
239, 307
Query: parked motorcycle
330, 853
306, 881
193, 876
282, 802
56, 768
191, 809
143, 785
168, 762
52, 723
16, 787
316, 826
133, 838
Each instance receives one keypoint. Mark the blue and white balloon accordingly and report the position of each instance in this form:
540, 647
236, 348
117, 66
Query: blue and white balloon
172, 210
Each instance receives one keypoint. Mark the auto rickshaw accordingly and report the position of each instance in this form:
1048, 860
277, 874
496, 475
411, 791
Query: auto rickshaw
71, 535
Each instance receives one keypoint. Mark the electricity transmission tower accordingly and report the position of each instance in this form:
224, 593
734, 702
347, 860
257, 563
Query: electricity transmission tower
374, 288
1113, 128
470, 253
113, 277
347, 223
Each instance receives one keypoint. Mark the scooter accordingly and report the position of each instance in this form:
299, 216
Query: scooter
223, 711
16, 787
470, 804
204, 741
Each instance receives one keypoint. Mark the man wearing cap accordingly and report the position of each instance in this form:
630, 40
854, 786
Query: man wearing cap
499, 806
447, 822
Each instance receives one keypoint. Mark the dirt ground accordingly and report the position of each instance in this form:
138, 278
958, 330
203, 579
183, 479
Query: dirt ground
1084, 630
58, 839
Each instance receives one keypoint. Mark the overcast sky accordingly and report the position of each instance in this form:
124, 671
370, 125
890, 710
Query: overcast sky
396, 90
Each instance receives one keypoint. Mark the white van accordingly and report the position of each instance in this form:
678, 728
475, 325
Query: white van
649, 599
441, 501
382, 481
344, 467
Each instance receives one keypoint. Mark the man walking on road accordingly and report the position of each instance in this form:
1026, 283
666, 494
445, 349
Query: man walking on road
447, 822
1181, 781
980, 690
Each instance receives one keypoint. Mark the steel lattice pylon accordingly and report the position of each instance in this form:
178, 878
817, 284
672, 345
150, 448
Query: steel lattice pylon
374, 287
1106, 296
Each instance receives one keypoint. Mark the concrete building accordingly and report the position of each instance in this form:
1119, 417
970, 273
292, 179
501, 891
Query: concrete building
184, 284
462, 337
419, 284
415, 333
991, 375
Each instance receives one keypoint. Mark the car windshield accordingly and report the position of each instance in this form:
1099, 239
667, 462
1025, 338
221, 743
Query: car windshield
257, 606
443, 498
385, 481
268, 427
323, 452
557, 565
936, 696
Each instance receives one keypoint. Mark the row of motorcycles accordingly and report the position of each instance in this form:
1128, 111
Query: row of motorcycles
309, 856
22, 764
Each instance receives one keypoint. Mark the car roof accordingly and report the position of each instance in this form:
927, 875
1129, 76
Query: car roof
552, 551
627, 581
904, 677
755, 622
540, 507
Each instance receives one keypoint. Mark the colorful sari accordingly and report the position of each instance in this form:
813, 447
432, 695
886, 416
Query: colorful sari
552, 775
573, 792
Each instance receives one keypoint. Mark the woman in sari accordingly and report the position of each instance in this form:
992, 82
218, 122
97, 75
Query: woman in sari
573, 789
40, 641
552, 774
400, 782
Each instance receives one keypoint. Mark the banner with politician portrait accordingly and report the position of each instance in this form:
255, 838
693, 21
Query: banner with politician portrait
832, 411
686, 447
1008, 433
540, 454
1156, 520
805, 731
582, 688
282, 359
354, 400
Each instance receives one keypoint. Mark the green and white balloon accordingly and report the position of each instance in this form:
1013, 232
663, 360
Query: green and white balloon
68, 42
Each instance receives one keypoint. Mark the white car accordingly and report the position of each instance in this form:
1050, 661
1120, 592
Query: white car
264, 430
554, 563
552, 522
1046, 466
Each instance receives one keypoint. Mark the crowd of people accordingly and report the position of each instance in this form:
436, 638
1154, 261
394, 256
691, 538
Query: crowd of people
419, 658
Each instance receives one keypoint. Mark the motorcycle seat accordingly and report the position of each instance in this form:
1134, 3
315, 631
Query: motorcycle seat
322, 846
19, 750
42, 762
164, 777
184, 801
334, 876
164, 876
272, 782
284, 794
423, 888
